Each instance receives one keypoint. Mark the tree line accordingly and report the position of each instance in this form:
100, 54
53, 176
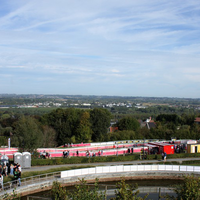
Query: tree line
56, 128
62, 126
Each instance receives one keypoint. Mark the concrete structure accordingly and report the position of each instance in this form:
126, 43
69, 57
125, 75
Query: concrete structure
105, 173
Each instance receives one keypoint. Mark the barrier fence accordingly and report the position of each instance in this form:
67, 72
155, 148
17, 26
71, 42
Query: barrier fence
129, 168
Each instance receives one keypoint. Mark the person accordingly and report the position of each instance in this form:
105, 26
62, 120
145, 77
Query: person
5, 170
77, 153
165, 156
11, 169
47, 155
64, 153
19, 168
15, 173
19, 177
1, 181
162, 156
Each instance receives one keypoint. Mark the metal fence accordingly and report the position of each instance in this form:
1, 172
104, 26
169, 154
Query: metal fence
31, 180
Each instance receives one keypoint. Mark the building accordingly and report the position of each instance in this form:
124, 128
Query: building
197, 120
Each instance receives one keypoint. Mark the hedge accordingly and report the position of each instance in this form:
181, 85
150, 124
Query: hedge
131, 157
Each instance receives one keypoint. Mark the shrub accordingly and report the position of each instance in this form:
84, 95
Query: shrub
131, 157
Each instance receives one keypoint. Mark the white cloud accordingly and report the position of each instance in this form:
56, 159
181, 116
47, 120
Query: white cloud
141, 43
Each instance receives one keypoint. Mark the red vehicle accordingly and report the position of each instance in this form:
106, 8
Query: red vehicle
164, 147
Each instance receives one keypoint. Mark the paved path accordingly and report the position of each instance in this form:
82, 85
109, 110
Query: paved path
135, 162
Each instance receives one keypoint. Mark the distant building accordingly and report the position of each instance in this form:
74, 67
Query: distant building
149, 123
113, 129
197, 120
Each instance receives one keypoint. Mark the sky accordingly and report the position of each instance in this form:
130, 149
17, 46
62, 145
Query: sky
102, 47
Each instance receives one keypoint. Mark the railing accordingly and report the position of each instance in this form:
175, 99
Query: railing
129, 168
31, 180
50, 177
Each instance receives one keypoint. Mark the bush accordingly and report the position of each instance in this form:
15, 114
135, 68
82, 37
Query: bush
131, 157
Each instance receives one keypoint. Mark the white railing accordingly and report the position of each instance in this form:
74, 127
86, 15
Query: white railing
129, 168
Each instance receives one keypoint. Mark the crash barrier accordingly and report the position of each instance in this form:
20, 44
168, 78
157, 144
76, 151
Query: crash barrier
129, 168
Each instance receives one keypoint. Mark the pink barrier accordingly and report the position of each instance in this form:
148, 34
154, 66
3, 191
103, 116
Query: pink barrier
105, 152
8, 152
89, 148
58, 152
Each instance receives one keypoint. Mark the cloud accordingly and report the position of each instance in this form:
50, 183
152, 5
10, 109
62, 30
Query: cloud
93, 44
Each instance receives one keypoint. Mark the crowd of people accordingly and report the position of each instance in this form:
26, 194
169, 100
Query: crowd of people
45, 155
87, 153
13, 170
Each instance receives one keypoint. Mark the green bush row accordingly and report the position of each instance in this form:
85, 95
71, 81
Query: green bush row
79, 160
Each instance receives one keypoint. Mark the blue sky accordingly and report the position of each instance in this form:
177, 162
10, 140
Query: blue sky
125, 48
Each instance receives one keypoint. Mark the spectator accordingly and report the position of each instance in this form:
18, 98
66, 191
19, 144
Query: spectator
15, 175
165, 156
19, 168
11, 169
19, 177
5, 170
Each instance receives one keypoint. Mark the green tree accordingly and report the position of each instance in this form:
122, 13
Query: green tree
49, 137
100, 120
82, 191
84, 131
85, 192
166, 118
188, 190
122, 135
128, 123
28, 133
58, 192
64, 122
127, 192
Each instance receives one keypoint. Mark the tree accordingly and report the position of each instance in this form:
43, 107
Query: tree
82, 191
64, 122
122, 135
28, 134
128, 123
188, 190
100, 120
58, 192
85, 192
84, 131
166, 118
49, 137
127, 192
